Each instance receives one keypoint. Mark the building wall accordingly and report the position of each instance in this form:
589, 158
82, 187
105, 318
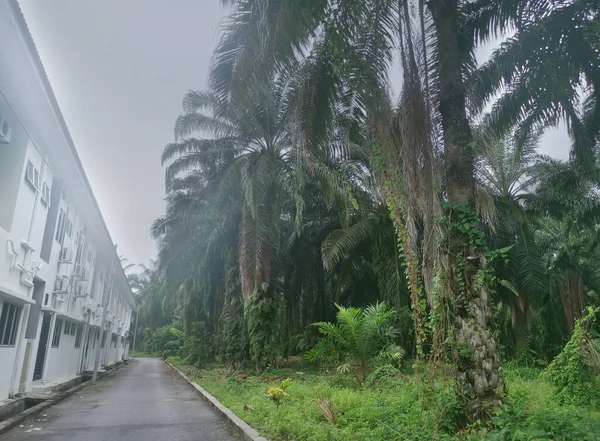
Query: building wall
63, 361
8, 355
40, 137
12, 158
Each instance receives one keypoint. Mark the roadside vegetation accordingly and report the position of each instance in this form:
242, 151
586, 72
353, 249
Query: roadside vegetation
394, 405
431, 273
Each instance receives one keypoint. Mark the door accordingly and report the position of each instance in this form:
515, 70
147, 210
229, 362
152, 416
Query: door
41, 352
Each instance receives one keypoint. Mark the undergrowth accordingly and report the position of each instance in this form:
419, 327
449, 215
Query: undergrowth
321, 406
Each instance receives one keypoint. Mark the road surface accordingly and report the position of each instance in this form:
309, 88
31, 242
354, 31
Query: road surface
145, 401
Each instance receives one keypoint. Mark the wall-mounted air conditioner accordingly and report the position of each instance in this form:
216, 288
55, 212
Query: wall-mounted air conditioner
61, 285
80, 271
59, 299
80, 292
5, 131
66, 255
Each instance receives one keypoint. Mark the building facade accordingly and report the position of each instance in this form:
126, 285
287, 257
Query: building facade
59, 270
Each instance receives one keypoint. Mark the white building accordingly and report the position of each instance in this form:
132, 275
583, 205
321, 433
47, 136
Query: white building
57, 260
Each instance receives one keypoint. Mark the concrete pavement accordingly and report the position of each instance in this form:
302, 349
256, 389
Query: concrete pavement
145, 401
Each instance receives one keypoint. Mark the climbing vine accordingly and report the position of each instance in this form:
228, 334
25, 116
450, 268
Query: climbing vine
392, 185
262, 313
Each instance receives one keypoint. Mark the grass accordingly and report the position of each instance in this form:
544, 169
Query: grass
396, 406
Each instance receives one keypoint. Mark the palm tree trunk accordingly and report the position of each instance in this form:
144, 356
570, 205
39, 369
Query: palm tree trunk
187, 294
476, 352
571, 296
519, 318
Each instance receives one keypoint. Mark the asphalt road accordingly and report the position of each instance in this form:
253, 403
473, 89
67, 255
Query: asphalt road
144, 401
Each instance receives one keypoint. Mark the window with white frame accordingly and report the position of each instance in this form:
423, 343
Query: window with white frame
32, 175
78, 335
69, 227
60, 226
45, 194
9, 323
57, 331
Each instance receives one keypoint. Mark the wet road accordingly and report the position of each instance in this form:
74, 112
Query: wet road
143, 401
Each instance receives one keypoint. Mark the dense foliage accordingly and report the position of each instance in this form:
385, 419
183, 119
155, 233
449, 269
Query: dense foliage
297, 182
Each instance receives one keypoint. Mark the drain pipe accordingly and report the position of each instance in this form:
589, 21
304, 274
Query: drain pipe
105, 303
14, 379
137, 315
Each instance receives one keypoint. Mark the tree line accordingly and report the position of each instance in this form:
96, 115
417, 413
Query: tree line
298, 182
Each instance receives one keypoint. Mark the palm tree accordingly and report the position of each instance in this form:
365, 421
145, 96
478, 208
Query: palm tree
506, 172
421, 156
571, 206
548, 71
254, 144
355, 72
249, 167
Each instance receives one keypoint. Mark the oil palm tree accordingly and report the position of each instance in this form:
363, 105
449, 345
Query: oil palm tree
506, 173
248, 151
548, 71
351, 51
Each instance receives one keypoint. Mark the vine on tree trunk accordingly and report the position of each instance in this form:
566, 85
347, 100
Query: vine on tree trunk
468, 282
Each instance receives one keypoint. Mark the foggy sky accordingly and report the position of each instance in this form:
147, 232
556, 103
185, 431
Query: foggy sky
119, 70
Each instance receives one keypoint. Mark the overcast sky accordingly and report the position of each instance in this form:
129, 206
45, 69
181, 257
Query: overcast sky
119, 69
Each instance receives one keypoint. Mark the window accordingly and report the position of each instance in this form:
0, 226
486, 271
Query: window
70, 328
69, 228
32, 175
113, 341
9, 323
45, 194
78, 336
57, 330
103, 339
60, 226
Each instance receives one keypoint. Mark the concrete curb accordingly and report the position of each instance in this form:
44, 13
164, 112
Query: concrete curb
247, 432
15, 420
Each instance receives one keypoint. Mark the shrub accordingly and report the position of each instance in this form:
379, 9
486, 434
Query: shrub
383, 376
167, 340
574, 372
515, 423
197, 347
278, 394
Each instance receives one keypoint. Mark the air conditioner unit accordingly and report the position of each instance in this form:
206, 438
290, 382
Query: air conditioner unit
80, 271
61, 285
66, 255
5, 131
80, 292
58, 300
